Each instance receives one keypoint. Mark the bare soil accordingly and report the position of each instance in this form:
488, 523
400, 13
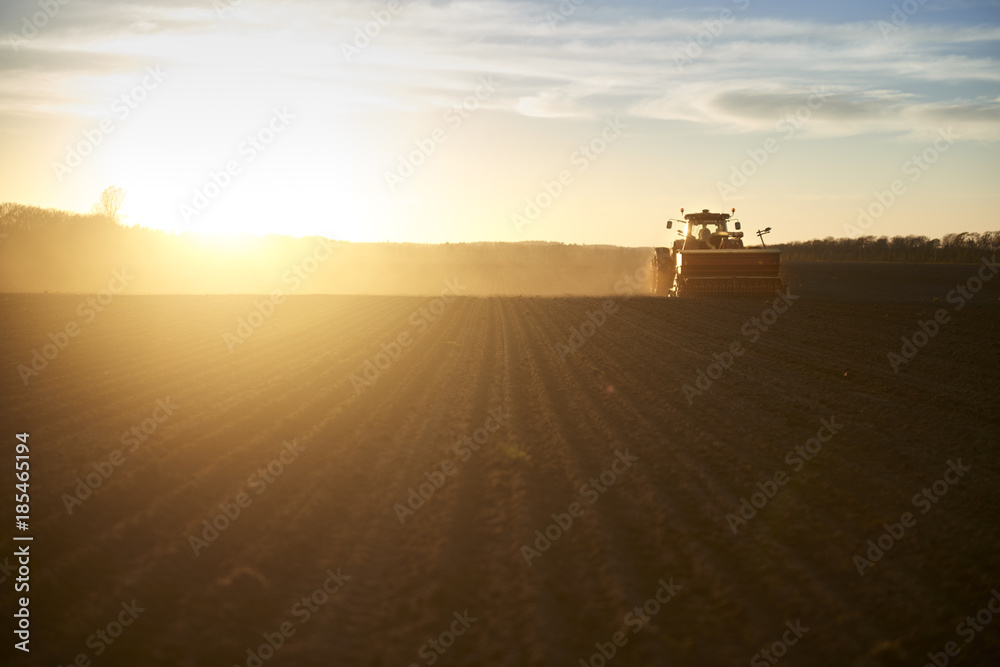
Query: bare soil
568, 404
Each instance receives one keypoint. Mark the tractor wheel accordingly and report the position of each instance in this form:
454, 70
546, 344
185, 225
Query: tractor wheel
664, 281
662, 272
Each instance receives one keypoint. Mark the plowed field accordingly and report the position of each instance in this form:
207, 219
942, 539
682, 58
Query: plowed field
512, 480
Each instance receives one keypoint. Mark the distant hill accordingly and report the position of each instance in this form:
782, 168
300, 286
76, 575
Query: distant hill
60, 251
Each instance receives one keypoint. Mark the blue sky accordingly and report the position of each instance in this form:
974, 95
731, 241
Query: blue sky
456, 120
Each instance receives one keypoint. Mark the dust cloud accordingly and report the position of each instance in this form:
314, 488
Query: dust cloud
161, 263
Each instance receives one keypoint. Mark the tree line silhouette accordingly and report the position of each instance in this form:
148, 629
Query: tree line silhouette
960, 248
58, 251
23, 217
38, 230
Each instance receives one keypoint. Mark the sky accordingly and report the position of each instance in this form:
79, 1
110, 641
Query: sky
484, 120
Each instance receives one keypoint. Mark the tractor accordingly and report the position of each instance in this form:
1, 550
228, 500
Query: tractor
710, 260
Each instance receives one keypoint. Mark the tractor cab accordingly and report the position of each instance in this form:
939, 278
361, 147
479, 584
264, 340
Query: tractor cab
707, 231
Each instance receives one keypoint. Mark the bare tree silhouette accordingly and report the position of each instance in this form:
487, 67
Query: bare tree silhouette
110, 202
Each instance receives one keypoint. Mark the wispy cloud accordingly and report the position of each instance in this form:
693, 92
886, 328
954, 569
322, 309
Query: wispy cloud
597, 62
